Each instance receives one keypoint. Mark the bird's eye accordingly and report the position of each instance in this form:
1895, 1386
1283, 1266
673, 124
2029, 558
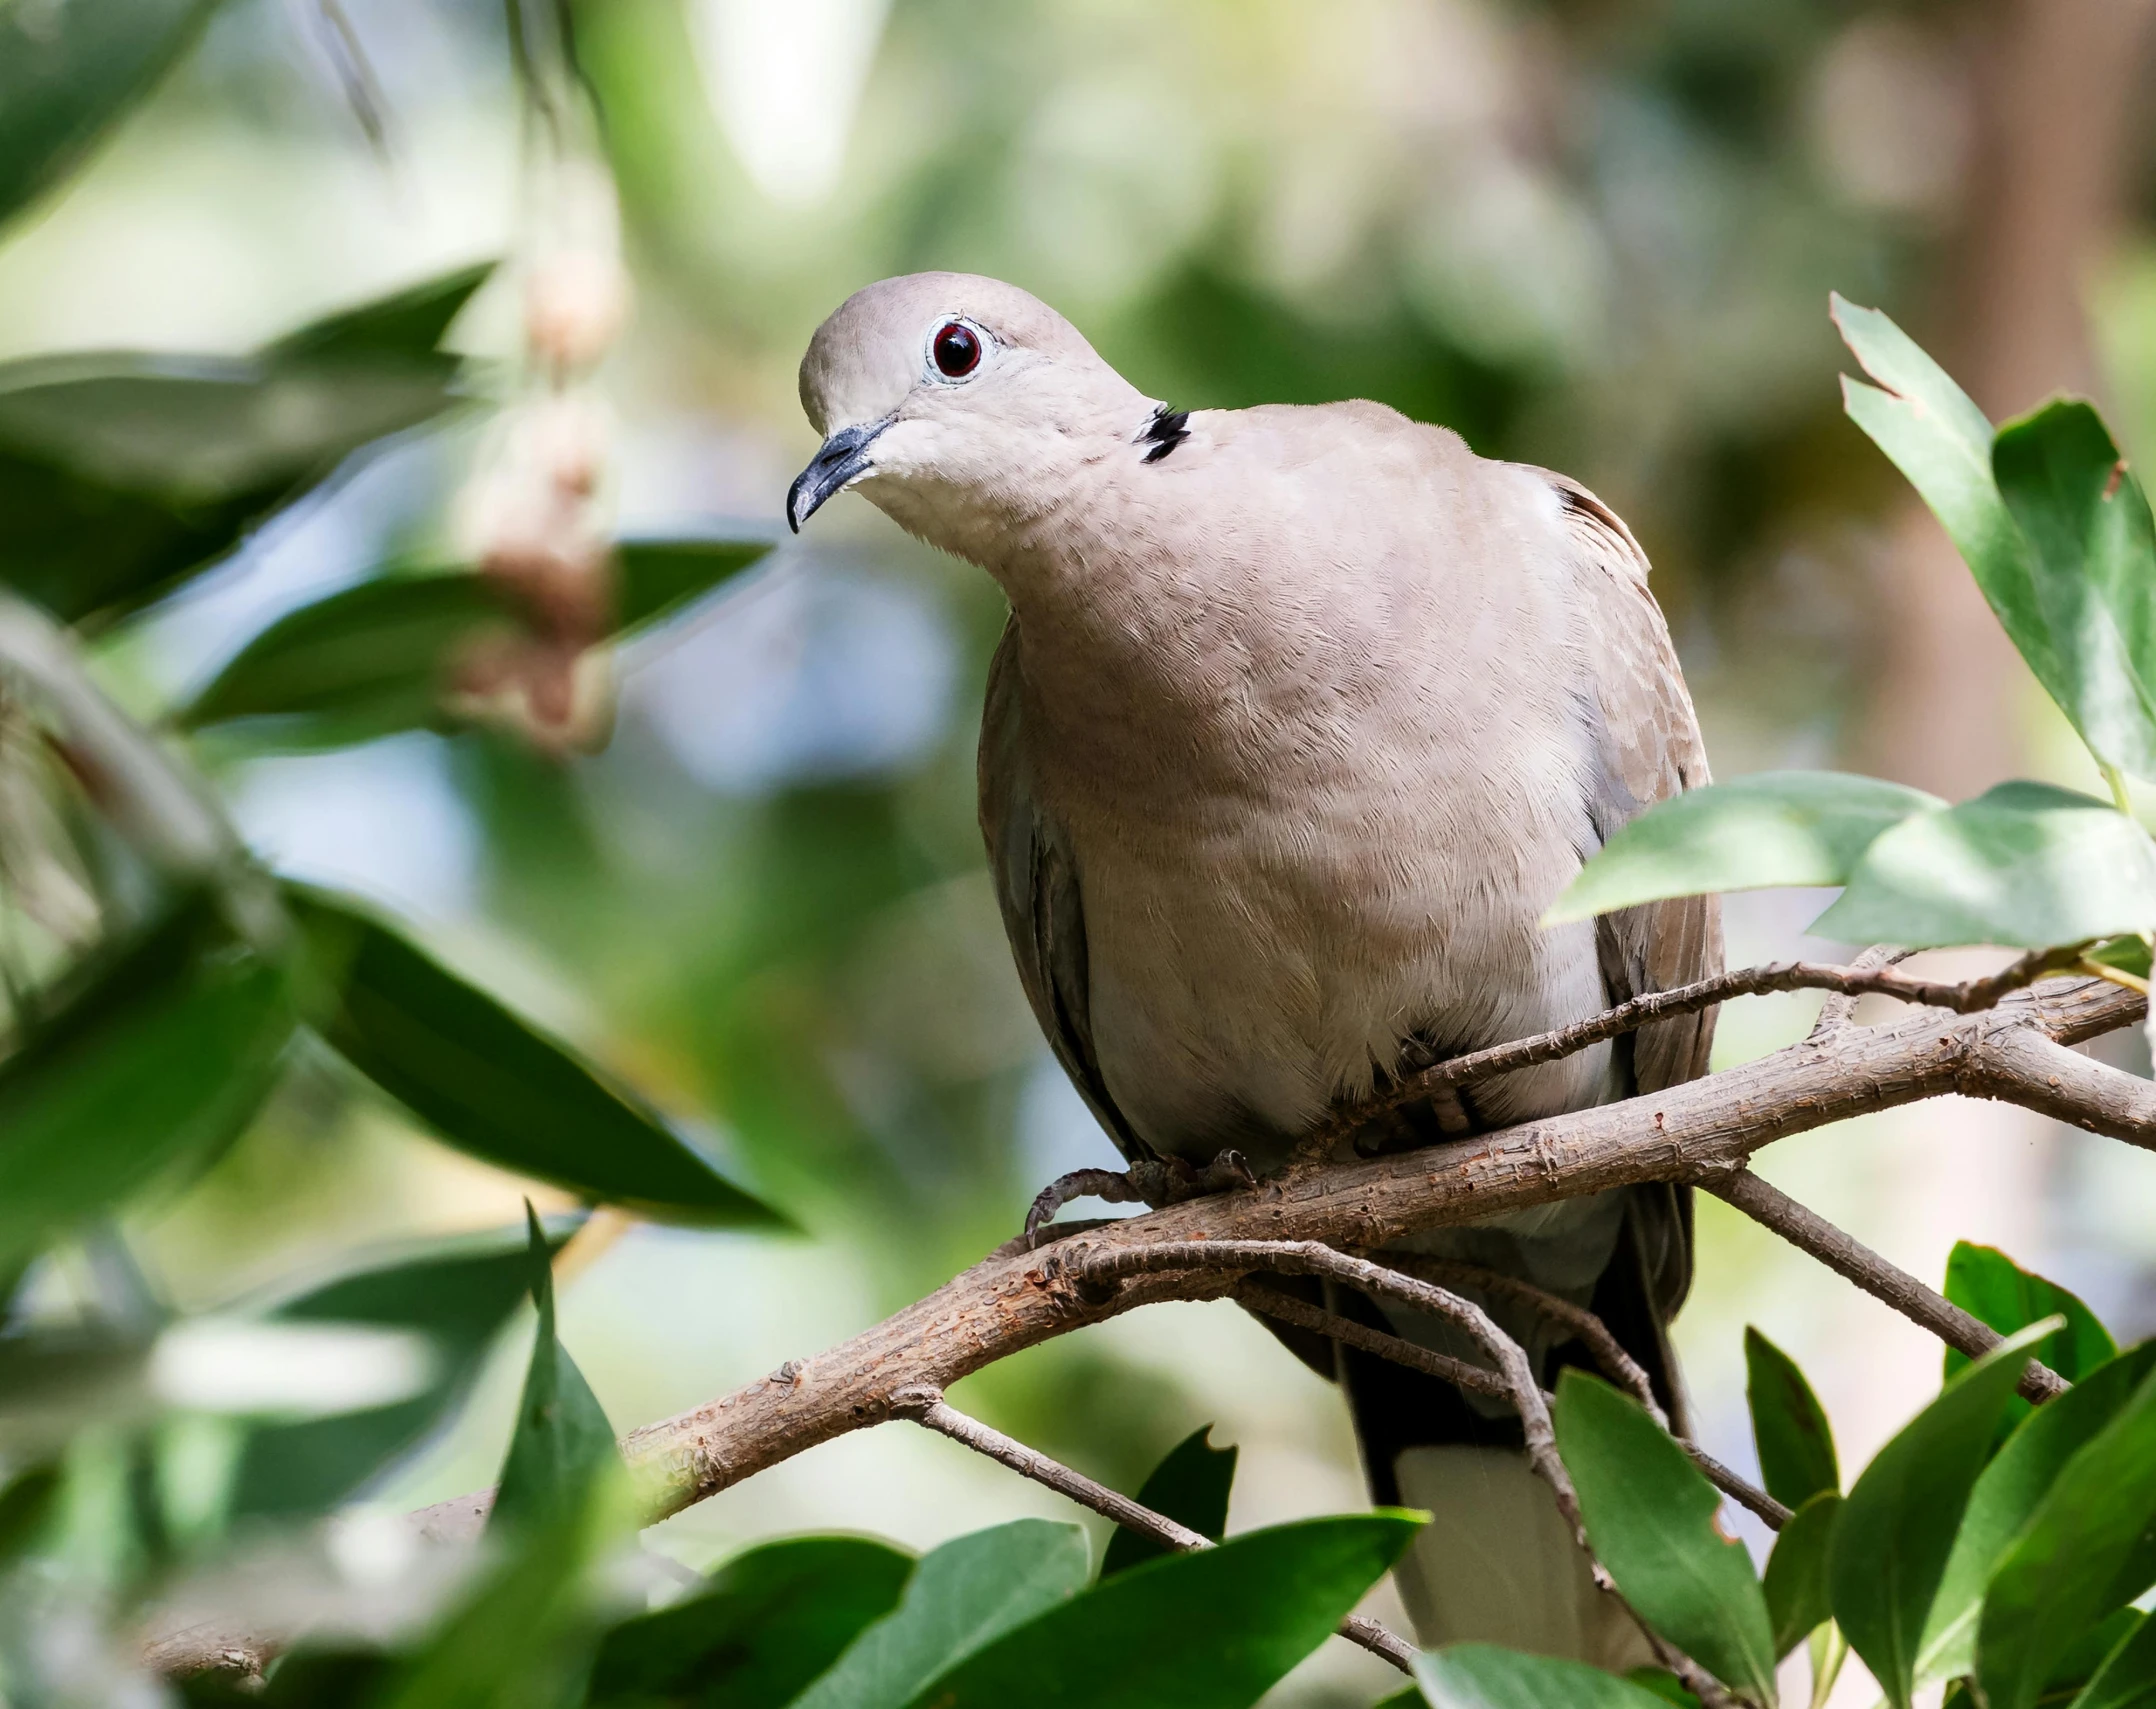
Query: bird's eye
956, 350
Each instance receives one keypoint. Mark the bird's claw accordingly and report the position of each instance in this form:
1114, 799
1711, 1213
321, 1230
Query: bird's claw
1150, 1181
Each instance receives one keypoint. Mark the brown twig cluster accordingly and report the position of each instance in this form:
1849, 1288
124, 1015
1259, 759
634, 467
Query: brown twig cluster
2008, 1037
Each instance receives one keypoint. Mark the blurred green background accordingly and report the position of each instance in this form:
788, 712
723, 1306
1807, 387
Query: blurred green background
1594, 234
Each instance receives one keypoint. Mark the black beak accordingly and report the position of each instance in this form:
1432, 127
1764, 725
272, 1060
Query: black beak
843, 460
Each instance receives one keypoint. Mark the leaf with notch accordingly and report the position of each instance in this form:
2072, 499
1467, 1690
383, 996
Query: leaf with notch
2092, 553
1897, 1526
1213, 1629
2009, 1492
1651, 1518
1796, 1444
69, 74
492, 1085
2083, 1554
1780, 827
2025, 864
757, 1630
459, 1293
1485, 1676
1190, 1486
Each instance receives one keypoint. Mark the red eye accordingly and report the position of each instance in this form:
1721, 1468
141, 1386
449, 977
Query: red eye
956, 349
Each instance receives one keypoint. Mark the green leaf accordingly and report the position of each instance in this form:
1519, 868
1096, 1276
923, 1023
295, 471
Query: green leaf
1781, 827
2082, 1555
759, 1628
1796, 1444
961, 1597
123, 474
656, 577
2127, 1679
1989, 1285
27, 1504
524, 1638
407, 323
373, 659
1212, 1629
70, 73
153, 1059
1651, 1518
459, 1294
1191, 1487
365, 661
2024, 864
2009, 1492
1942, 442
492, 1085
1483, 1676
1897, 1526
1796, 1576
2092, 551
563, 1447
1664, 1685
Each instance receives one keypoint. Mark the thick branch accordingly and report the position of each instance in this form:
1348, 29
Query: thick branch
1849, 1258
933, 1412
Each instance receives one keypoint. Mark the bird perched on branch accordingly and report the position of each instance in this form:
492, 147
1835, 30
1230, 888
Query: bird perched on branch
1302, 720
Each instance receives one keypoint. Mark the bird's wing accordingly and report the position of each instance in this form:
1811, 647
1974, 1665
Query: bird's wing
1650, 749
1037, 890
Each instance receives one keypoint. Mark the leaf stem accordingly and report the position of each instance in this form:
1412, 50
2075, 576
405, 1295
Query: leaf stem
2115, 779
2117, 975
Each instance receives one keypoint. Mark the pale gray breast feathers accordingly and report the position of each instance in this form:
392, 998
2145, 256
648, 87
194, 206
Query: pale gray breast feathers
1645, 746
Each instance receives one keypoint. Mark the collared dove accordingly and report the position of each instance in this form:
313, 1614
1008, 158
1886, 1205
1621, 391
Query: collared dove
1302, 719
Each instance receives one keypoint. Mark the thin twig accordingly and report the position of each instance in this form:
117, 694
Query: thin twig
1852, 981
1308, 1258
1274, 1302
1808, 1230
927, 1408
1840, 1008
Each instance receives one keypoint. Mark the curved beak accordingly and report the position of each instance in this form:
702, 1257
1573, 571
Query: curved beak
842, 461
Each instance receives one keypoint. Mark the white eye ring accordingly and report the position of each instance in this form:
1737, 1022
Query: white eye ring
957, 349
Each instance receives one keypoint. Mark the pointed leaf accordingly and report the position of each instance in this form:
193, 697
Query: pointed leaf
410, 322
2024, 864
495, 1086
961, 1597
1651, 1518
459, 1293
2083, 1554
2007, 1496
1796, 1444
70, 73
2127, 1679
1213, 1629
153, 1059
655, 577
1988, 1285
1796, 1576
1483, 1676
1781, 827
2092, 551
1191, 1487
1897, 1526
365, 661
758, 1629
563, 1446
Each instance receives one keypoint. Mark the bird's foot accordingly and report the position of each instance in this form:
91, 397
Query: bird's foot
1149, 1181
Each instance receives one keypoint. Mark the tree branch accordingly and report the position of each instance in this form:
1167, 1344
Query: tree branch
1847, 1257
929, 1409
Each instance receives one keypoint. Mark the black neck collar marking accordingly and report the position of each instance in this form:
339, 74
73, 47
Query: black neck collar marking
1164, 432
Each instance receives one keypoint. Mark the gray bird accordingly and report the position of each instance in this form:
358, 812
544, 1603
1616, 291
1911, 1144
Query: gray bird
1302, 719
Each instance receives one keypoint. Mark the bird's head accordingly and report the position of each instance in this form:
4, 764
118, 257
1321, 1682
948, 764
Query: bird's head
960, 405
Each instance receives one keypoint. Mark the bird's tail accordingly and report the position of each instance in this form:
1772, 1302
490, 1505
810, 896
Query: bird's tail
1497, 1562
